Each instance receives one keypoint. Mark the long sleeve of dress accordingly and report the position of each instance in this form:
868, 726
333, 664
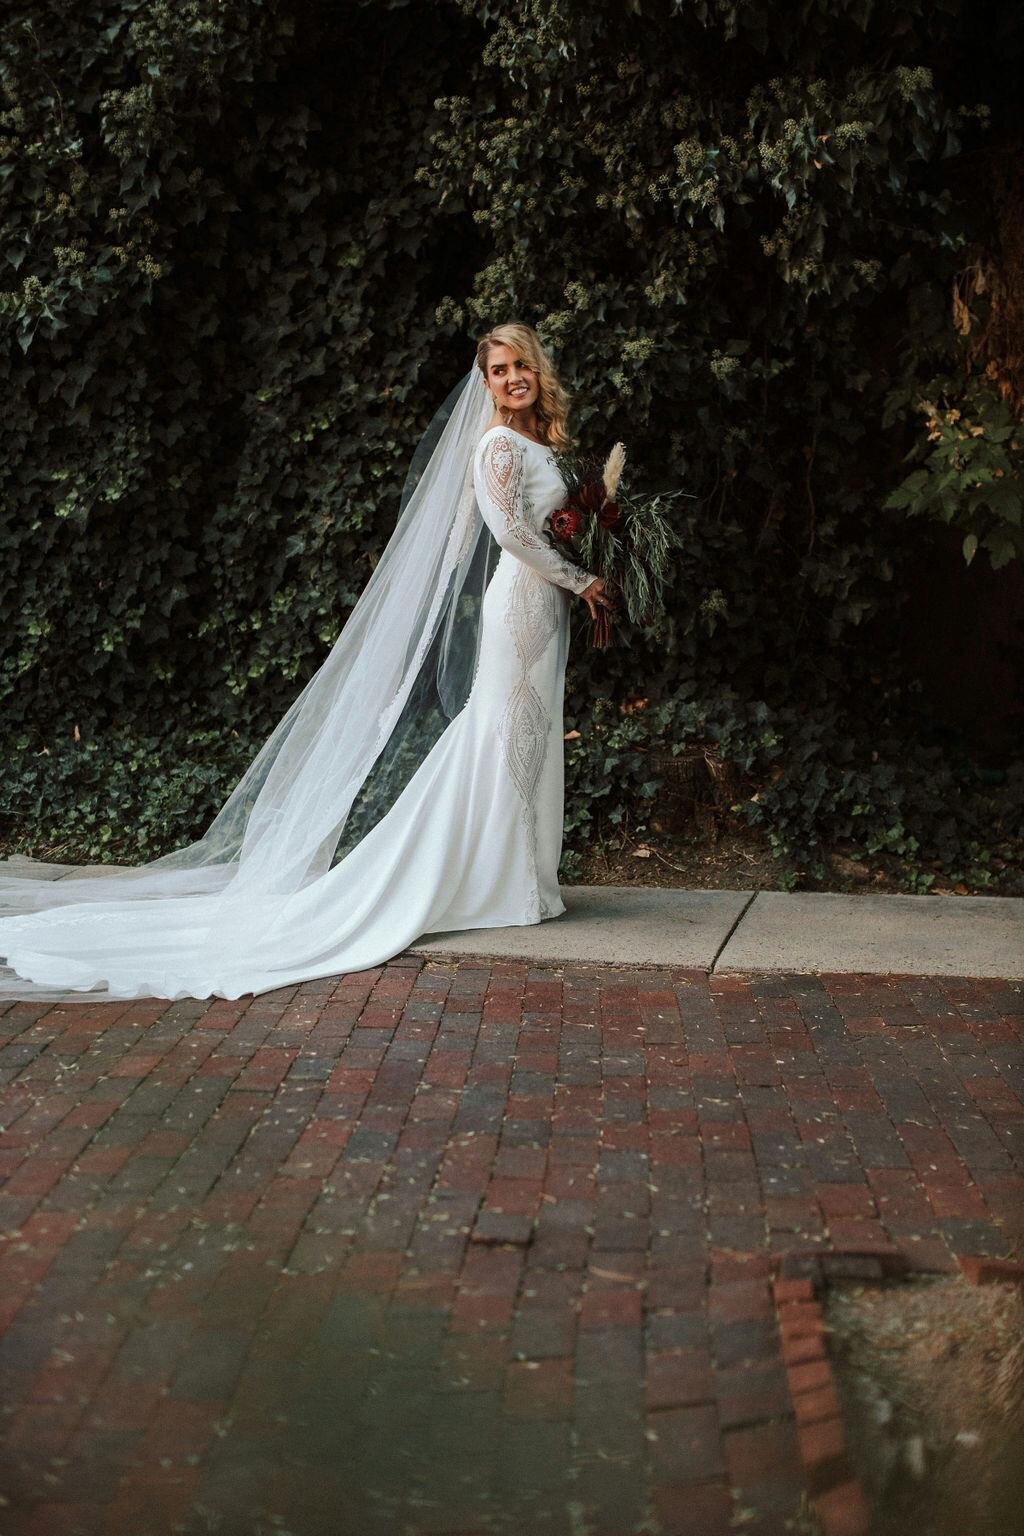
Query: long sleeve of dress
498, 474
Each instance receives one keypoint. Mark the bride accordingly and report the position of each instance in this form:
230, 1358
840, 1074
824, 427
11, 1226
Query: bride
415, 785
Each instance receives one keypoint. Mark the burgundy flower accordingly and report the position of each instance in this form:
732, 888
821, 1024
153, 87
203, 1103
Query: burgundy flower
590, 496
566, 523
609, 514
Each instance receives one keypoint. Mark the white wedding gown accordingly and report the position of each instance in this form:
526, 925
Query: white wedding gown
473, 840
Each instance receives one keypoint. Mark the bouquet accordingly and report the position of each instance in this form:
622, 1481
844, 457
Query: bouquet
625, 539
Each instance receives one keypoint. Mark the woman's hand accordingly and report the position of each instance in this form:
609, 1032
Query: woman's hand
597, 595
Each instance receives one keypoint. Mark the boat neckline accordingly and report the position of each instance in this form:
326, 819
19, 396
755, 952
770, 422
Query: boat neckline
501, 427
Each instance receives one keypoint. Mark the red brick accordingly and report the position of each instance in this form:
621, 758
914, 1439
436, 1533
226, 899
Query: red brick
619, 1268
740, 1301
494, 1269
686, 1444
569, 1183
514, 1195
811, 1407
800, 1320
172, 1492
727, 1134
823, 1451
843, 1510
611, 1309
177, 1429
720, 1064
793, 1290
474, 1310
502, 1227
521, 1163
810, 1377
929, 1148
856, 1236
528, 1106
135, 1066
356, 1081
803, 1350
40, 1430
678, 1150
955, 1199
428, 1289
49, 1229
539, 1388
626, 1138
37, 1177
372, 1271
750, 1393
677, 1287
845, 1199
676, 1378
729, 1265
928, 1253
682, 1121
981, 1271
695, 1509
164, 1144
759, 1453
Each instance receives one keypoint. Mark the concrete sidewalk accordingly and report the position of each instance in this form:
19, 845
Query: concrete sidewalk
743, 931
747, 931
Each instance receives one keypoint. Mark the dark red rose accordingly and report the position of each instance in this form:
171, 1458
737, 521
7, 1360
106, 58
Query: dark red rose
609, 514
566, 523
590, 496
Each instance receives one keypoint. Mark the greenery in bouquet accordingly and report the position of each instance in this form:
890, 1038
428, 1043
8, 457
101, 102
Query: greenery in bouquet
626, 538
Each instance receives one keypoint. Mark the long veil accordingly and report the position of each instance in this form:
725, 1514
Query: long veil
401, 668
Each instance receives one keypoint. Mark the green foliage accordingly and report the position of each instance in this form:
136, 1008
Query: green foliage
247, 250
971, 472
218, 325
650, 540
129, 797
807, 785
812, 786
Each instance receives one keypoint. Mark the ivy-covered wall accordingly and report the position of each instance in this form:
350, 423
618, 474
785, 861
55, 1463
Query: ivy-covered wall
247, 247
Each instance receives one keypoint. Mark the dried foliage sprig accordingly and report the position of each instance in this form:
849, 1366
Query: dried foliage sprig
613, 470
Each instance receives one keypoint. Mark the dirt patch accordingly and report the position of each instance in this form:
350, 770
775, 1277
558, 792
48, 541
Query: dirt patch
931, 1378
742, 861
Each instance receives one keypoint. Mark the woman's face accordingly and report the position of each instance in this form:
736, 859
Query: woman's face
510, 379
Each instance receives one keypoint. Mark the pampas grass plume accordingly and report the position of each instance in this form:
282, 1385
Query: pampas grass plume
613, 470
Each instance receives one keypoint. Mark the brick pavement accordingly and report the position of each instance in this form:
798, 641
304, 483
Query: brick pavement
465, 1247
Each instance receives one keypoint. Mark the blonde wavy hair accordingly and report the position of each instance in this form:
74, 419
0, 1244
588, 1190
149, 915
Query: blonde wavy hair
552, 406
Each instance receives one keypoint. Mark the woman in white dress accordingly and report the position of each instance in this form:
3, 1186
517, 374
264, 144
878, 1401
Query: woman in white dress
471, 596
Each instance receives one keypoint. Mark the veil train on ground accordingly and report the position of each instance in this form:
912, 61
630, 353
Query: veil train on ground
399, 673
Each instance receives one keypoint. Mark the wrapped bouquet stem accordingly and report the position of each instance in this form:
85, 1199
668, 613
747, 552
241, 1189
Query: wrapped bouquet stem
625, 539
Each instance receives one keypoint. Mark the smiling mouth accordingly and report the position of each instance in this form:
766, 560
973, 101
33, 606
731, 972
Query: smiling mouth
518, 389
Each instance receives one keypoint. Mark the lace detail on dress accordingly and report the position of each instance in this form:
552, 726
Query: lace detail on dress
524, 733
573, 577
525, 725
501, 475
504, 469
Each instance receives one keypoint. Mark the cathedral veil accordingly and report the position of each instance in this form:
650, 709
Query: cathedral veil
401, 668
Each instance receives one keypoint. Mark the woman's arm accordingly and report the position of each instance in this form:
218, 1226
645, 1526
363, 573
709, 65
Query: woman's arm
498, 475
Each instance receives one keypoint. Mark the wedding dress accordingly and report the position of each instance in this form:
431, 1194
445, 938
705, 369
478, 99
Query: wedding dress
471, 840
